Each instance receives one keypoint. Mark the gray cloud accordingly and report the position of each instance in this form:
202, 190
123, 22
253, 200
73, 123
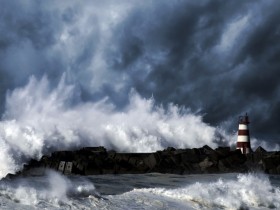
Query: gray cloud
216, 57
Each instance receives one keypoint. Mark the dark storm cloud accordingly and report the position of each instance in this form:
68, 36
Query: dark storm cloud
184, 60
30, 43
27, 31
217, 57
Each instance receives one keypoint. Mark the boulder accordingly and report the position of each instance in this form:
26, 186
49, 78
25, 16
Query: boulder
151, 161
190, 156
260, 150
205, 165
271, 163
223, 151
235, 161
207, 150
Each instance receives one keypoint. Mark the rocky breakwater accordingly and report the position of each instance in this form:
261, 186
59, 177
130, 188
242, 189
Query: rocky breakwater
97, 160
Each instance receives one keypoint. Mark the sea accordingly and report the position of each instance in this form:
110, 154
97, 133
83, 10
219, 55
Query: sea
53, 190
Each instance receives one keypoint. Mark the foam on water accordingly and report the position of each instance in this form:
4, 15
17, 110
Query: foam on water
55, 191
248, 191
51, 191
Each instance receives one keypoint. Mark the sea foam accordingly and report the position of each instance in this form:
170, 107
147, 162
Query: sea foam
51, 190
246, 192
55, 191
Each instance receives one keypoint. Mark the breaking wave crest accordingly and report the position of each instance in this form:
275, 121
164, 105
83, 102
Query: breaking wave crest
248, 191
50, 191
55, 191
39, 119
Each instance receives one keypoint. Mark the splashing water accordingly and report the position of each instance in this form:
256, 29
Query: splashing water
247, 192
226, 191
52, 188
39, 120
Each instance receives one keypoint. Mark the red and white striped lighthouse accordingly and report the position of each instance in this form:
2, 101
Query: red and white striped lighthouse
243, 139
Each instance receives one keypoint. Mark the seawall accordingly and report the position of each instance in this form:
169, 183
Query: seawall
97, 160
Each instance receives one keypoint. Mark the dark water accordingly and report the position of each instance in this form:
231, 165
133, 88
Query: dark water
147, 191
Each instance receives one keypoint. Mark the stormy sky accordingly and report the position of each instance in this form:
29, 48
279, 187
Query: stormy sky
218, 58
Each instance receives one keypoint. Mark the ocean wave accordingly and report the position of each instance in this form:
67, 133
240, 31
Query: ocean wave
52, 119
51, 191
246, 192
55, 191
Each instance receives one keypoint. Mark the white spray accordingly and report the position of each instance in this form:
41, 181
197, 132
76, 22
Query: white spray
39, 120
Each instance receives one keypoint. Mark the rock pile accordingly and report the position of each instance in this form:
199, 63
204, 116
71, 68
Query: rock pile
97, 160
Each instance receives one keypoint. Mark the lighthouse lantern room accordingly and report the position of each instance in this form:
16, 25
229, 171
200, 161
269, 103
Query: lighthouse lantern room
243, 139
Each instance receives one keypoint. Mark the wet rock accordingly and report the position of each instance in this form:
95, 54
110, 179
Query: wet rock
278, 169
270, 163
260, 150
223, 151
233, 162
205, 164
190, 156
96, 160
208, 150
151, 161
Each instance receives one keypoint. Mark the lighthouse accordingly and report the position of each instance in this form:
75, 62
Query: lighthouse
243, 139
